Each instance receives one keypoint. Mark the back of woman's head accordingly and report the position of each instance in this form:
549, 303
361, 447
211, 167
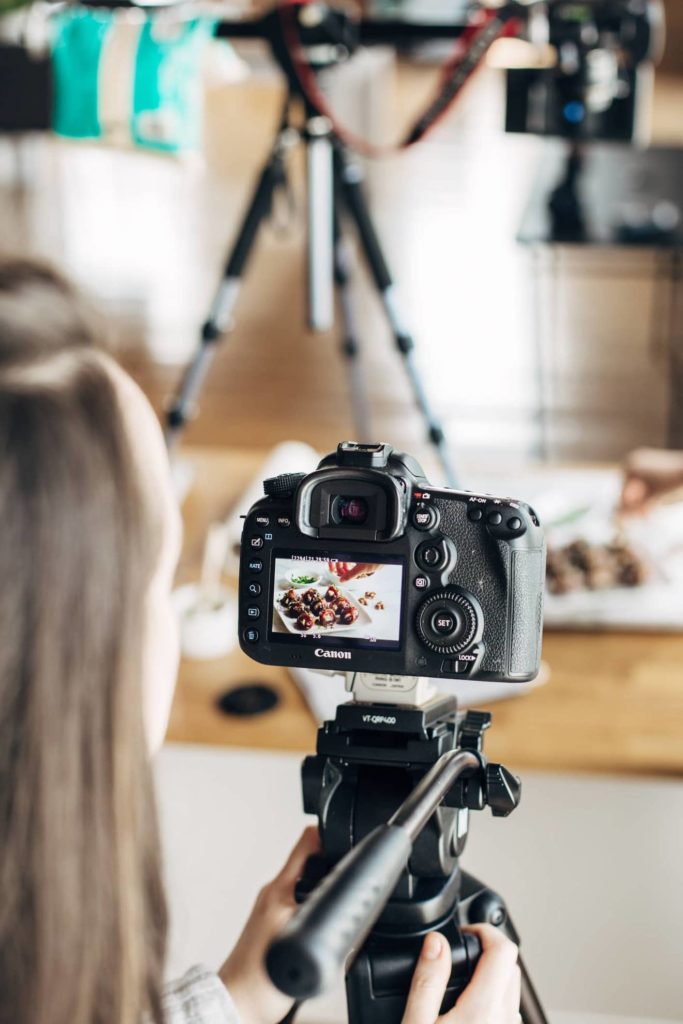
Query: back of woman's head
82, 916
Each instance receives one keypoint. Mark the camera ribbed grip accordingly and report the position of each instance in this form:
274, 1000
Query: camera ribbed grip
528, 570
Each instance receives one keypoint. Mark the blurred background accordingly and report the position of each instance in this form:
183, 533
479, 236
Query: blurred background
539, 270
519, 348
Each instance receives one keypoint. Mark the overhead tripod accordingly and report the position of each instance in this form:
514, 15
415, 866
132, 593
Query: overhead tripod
393, 781
335, 193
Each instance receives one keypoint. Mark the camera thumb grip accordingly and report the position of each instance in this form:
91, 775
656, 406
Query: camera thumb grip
312, 950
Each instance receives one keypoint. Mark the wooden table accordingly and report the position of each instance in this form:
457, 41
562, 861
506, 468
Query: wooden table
614, 702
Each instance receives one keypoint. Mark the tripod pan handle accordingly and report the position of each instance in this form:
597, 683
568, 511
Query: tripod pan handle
313, 948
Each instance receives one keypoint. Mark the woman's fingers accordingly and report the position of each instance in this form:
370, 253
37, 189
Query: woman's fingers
635, 495
307, 844
493, 993
360, 570
513, 996
429, 981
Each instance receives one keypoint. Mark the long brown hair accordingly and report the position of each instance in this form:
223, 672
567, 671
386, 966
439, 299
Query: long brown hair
82, 911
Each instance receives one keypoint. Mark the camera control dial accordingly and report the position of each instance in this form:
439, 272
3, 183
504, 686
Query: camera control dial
282, 486
447, 622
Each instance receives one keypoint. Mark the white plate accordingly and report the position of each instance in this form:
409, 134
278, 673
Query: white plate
363, 619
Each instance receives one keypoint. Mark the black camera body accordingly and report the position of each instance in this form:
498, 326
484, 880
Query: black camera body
363, 566
592, 92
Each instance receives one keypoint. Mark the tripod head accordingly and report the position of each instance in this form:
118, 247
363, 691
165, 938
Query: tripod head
392, 784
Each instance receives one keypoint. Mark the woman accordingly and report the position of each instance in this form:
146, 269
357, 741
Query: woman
88, 657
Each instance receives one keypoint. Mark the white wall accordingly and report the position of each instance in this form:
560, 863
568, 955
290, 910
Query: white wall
591, 870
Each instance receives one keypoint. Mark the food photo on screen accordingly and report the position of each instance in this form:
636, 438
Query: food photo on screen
338, 599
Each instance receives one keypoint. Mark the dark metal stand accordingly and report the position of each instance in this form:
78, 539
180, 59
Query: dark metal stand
565, 205
335, 194
367, 773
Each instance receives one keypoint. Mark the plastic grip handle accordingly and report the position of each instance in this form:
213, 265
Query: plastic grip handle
313, 948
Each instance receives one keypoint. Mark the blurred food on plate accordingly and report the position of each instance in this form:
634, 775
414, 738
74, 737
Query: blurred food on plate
582, 565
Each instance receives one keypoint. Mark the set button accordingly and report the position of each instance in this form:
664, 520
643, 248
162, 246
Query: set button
445, 623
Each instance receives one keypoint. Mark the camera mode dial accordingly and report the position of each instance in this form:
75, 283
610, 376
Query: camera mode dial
447, 622
282, 486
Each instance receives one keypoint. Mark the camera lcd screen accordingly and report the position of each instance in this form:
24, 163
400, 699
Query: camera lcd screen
338, 600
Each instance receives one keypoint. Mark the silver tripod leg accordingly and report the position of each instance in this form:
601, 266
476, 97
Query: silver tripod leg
320, 212
360, 406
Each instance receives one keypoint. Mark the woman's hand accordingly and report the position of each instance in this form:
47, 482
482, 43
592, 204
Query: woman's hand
347, 571
493, 994
244, 973
649, 475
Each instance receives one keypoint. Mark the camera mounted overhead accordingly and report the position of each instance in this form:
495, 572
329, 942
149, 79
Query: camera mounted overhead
600, 54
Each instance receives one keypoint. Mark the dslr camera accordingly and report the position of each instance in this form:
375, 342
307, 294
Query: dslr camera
364, 566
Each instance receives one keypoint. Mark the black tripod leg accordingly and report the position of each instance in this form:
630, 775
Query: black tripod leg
350, 347
480, 905
220, 316
349, 178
